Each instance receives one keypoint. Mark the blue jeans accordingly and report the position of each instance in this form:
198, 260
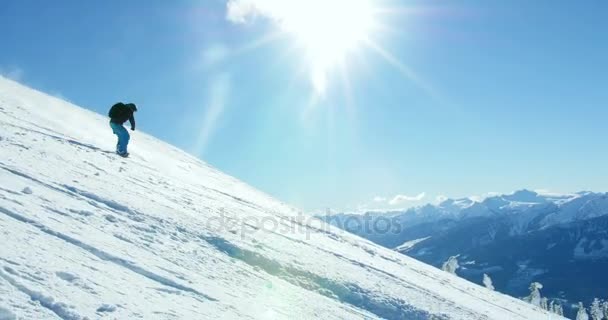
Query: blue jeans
123, 137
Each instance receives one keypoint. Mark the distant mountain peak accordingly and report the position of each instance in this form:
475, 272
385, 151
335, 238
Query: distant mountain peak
454, 206
525, 195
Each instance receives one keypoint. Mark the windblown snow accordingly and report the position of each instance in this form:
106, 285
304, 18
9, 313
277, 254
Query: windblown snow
85, 234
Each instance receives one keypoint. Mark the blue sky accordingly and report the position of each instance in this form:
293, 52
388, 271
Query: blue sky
506, 94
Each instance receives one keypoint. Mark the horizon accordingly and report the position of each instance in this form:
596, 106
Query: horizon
474, 199
416, 102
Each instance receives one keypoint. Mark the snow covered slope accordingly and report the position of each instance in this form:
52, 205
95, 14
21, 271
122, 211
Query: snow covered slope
85, 234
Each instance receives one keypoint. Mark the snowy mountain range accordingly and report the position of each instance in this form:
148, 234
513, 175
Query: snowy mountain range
560, 241
85, 234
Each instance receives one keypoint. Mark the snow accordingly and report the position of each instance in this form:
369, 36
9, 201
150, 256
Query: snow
410, 244
591, 249
161, 235
453, 207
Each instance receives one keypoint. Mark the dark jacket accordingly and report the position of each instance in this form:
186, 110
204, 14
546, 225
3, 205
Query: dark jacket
120, 113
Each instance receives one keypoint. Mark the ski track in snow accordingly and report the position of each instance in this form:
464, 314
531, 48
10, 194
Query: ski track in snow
105, 256
161, 235
59, 308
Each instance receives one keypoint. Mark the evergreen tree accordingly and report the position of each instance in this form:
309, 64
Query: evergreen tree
534, 297
582, 312
451, 265
544, 303
557, 309
596, 310
487, 281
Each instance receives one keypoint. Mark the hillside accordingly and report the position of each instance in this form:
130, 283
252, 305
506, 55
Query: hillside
161, 235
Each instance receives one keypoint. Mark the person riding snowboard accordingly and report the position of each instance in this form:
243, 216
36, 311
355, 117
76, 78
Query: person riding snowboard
119, 114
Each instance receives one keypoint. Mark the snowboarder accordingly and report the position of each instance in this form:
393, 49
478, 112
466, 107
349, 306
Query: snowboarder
119, 114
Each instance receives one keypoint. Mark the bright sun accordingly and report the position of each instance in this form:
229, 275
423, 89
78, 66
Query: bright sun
327, 30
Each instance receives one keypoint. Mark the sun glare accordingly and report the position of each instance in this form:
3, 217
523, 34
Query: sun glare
327, 31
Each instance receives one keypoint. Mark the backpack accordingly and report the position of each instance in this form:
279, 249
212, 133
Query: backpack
116, 110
